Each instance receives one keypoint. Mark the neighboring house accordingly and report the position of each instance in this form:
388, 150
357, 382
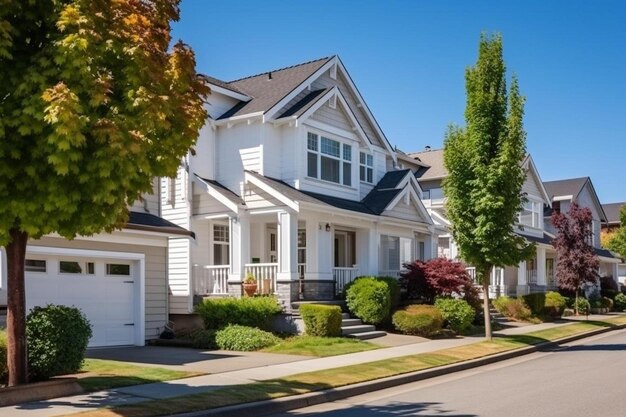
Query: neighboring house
293, 182
531, 276
581, 191
119, 280
612, 212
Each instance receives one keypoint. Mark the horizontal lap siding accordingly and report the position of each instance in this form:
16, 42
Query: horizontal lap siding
155, 275
332, 117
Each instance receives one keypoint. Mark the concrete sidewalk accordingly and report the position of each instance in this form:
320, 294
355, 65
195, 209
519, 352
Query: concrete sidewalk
139, 393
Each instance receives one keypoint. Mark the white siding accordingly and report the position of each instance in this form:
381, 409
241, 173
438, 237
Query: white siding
404, 211
333, 117
149, 202
229, 166
251, 158
587, 199
531, 186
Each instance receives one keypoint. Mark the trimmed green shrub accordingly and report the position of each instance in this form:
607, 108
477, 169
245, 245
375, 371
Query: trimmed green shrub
555, 304
243, 338
536, 302
203, 339
607, 303
419, 320
620, 302
217, 313
369, 299
321, 320
57, 337
394, 290
583, 306
4, 372
456, 312
513, 308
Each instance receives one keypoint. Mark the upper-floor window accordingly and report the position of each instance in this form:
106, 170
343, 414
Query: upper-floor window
531, 214
329, 160
366, 167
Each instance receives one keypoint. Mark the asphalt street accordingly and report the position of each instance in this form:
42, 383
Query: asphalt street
582, 379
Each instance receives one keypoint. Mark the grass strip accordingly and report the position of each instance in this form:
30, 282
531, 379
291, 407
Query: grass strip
320, 346
99, 374
337, 377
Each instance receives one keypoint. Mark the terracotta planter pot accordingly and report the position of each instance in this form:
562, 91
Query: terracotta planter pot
249, 289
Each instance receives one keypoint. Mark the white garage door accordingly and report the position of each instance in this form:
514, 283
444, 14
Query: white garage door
102, 288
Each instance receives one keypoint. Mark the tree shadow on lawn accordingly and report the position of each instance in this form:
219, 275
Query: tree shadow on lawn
157, 355
400, 409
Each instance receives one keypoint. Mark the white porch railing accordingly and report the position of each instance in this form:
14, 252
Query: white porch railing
390, 273
531, 277
265, 275
344, 275
210, 279
471, 271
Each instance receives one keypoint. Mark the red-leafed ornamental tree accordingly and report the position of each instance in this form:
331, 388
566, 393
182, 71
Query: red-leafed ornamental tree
439, 277
576, 261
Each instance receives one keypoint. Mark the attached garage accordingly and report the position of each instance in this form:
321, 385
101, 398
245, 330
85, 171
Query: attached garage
106, 286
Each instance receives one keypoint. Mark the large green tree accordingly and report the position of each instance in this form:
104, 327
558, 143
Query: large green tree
484, 162
94, 103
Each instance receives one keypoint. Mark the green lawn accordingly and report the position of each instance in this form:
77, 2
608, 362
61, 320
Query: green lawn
332, 378
98, 374
320, 346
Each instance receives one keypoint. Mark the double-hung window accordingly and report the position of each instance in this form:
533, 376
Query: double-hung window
366, 167
329, 160
221, 243
531, 214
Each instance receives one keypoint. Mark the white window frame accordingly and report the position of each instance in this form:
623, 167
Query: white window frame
343, 145
366, 161
536, 212
225, 242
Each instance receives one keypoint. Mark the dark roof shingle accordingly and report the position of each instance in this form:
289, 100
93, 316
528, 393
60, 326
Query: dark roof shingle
434, 160
612, 211
147, 221
570, 186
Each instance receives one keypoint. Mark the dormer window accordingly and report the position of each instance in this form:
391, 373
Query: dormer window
366, 167
329, 160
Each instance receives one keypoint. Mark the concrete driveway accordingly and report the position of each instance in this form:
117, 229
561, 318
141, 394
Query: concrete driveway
193, 360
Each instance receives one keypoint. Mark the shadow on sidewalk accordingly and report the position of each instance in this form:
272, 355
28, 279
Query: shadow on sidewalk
398, 409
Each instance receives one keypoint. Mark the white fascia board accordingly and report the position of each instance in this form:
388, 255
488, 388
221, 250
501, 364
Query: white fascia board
535, 172
305, 84
127, 237
273, 192
439, 219
319, 103
355, 123
216, 194
239, 119
226, 92
364, 106
563, 198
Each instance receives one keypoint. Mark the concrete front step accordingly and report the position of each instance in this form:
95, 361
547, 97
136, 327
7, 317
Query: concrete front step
361, 328
350, 322
345, 316
367, 335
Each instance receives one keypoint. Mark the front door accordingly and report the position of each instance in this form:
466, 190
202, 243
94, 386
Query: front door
272, 244
344, 249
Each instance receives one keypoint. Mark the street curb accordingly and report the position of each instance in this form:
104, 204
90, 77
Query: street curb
278, 405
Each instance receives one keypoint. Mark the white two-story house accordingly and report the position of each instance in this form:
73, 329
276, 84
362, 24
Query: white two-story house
582, 192
294, 182
534, 275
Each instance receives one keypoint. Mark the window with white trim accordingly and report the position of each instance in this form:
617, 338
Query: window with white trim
329, 160
34, 265
531, 214
366, 167
221, 244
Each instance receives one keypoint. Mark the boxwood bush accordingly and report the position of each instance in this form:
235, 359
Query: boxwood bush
321, 320
419, 320
555, 304
620, 302
4, 372
57, 337
456, 312
536, 302
244, 338
369, 299
513, 308
217, 313
583, 305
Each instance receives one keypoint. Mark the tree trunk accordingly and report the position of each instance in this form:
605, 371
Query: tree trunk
486, 279
576, 303
16, 308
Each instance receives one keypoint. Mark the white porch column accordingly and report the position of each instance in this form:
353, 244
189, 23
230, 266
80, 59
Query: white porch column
522, 283
318, 251
239, 246
287, 246
541, 267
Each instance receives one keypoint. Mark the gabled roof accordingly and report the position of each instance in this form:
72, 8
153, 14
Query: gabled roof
223, 84
435, 169
612, 211
391, 179
306, 103
563, 188
150, 222
269, 88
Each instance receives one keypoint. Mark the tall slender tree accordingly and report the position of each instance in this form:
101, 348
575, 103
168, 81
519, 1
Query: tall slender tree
93, 105
483, 159
576, 261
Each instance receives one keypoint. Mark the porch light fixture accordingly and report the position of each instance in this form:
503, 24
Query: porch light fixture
327, 227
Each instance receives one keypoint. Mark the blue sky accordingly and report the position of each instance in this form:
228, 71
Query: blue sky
408, 59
